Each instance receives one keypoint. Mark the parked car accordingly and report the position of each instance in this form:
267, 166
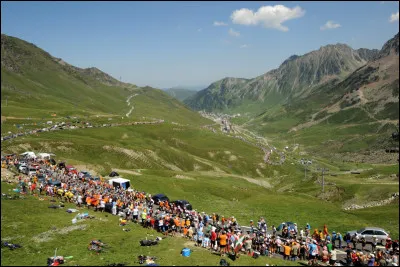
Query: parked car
54, 183
36, 166
22, 167
159, 197
95, 178
30, 171
84, 174
71, 169
41, 177
183, 204
369, 232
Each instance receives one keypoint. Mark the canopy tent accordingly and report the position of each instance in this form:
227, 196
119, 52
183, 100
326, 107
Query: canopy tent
120, 182
45, 155
29, 154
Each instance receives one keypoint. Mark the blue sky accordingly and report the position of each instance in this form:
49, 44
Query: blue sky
165, 44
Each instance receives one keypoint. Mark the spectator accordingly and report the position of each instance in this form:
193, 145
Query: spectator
333, 256
286, 251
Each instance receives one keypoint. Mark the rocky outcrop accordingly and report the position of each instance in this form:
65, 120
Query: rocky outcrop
367, 54
391, 46
373, 203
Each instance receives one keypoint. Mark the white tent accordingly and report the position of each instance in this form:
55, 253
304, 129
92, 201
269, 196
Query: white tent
29, 154
120, 182
45, 155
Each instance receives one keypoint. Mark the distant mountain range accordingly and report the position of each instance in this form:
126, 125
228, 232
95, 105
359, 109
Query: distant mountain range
311, 83
295, 77
182, 92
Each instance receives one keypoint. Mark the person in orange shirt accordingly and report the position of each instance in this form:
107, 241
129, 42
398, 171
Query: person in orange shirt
185, 231
167, 206
286, 251
88, 201
176, 221
222, 243
182, 225
325, 231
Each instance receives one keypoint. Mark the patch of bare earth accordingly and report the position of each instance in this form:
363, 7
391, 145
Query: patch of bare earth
206, 162
49, 235
26, 146
232, 158
259, 172
156, 158
65, 149
183, 177
10, 238
133, 155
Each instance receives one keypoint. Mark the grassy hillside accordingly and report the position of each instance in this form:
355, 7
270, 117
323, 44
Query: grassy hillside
34, 84
189, 162
40, 240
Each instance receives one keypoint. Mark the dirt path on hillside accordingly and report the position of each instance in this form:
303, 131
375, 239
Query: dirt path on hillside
128, 101
127, 171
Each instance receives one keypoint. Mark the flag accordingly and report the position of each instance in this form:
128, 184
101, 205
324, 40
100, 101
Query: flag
237, 246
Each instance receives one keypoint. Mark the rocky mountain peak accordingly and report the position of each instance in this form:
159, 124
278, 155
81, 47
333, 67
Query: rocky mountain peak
391, 46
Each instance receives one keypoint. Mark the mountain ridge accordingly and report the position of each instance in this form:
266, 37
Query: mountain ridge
38, 84
294, 78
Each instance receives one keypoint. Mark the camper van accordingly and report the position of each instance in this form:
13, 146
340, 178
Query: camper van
120, 182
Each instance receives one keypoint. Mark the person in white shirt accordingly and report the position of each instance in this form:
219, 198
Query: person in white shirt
161, 225
333, 256
102, 205
79, 200
135, 214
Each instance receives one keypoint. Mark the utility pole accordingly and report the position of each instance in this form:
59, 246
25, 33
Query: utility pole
323, 170
305, 162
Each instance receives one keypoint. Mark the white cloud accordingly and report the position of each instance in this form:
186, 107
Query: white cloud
244, 46
199, 30
233, 33
394, 17
219, 23
330, 25
268, 16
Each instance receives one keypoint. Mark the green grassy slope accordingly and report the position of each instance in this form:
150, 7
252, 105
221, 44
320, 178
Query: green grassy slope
36, 85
